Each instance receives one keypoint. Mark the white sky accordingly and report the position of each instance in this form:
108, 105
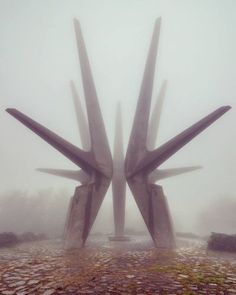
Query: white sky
197, 55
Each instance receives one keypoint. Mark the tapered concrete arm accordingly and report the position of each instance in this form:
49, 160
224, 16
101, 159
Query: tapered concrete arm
118, 179
159, 174
81, 119
160, 155
138, 137
155, 119
77, 175
79, 157
118, 154
99, 141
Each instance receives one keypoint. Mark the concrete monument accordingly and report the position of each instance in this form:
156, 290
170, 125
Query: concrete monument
140, 166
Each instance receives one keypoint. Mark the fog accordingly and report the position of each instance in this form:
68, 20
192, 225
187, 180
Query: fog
38, 58
218, 216
41, 212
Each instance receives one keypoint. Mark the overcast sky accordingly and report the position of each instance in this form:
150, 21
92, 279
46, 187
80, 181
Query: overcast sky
197, 56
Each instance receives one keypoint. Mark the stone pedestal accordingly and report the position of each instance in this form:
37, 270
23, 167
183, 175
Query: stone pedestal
119, 238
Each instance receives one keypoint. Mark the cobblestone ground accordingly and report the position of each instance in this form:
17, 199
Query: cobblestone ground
133, 267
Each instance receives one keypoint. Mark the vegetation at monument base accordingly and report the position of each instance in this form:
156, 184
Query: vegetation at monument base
222, 242
42, 211
8, 239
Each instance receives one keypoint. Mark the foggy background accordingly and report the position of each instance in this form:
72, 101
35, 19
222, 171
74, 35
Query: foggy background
38, 58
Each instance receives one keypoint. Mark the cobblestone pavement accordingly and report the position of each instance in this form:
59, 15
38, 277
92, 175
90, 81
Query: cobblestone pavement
133, 267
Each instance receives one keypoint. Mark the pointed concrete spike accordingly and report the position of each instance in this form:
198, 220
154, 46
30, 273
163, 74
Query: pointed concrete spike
166, 173
118, 179
77, 156
118, 142
77, 175
88, 197
155, 118
138, 137
99, 142
160, 155
81, 119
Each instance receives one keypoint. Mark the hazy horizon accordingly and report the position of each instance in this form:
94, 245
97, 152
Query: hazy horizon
197, 57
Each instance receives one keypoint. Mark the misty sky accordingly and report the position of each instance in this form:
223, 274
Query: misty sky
197, 56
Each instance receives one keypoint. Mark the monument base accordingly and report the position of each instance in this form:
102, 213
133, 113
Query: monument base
119, 238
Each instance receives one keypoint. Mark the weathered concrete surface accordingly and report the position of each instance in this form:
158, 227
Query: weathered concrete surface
154, 208
84, 208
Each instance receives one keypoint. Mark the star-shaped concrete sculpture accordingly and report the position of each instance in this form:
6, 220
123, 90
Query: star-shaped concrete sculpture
138, 167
